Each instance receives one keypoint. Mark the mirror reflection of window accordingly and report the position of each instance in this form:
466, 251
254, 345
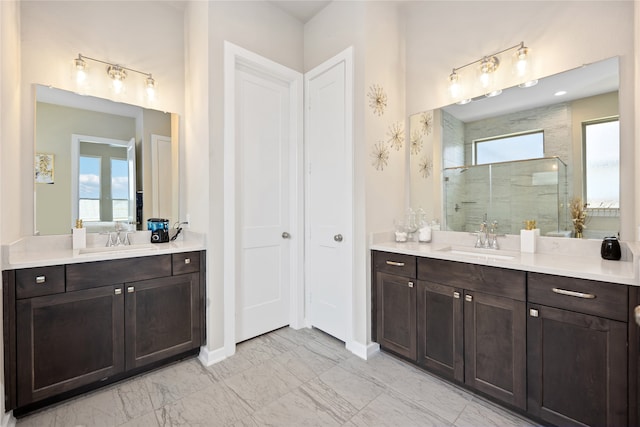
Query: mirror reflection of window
120, 189
89, 188
103, 182
602, 163
523, 146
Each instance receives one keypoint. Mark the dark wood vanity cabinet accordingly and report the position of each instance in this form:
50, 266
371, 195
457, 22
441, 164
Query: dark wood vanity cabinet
396, 303
85, 324
472, 326
577, 351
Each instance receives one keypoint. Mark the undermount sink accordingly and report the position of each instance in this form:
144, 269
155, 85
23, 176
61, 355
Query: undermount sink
478, 253
117, 249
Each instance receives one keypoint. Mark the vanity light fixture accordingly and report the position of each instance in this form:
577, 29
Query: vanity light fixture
117, 74
489, 65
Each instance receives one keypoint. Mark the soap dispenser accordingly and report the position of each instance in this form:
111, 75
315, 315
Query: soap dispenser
79, 236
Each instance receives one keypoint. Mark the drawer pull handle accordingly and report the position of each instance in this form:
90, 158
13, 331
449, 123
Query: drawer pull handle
573, 293
395, 263
456, 295
533, 312
187, 260
131, 289
468, 298
118, 291
410, 284
41, 279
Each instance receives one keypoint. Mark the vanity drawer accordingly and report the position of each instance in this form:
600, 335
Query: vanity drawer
103, 273
186, 262
584, 296
474, 277
39, 281
396, 264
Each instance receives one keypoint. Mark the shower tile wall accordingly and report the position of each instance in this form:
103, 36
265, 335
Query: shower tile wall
517, 194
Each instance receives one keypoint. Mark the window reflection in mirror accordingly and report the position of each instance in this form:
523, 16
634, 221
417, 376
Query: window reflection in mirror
151, 162
592, 95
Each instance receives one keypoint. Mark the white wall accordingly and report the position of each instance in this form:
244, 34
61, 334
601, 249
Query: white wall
9, 132
563, 35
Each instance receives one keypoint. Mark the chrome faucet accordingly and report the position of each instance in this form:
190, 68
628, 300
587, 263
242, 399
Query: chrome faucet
487, 236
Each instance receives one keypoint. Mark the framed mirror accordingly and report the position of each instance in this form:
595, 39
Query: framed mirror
475, 172
102, 162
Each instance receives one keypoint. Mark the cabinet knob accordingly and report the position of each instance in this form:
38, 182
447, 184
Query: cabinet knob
456, 295
41, 279
533, 312
468, 298
131, 289
410, 284
187, 260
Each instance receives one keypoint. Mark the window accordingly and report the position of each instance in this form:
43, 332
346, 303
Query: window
89, 188
602, 163
506, 148
120, 189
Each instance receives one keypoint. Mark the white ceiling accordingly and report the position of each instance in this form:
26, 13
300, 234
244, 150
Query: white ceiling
303, 10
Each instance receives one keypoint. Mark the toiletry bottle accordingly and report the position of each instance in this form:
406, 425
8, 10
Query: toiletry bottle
79, 239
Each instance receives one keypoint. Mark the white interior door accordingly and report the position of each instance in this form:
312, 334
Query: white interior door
329, 195
263, 138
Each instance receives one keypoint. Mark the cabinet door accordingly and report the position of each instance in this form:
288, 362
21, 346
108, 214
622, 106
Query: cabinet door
577, 366
162, 318
440, 329
495, 347
68, 340
396, 314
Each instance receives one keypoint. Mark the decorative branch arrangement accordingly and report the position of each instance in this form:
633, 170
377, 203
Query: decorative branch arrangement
579, 218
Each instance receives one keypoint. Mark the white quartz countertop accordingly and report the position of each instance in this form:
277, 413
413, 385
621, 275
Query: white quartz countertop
42, 251
562, 264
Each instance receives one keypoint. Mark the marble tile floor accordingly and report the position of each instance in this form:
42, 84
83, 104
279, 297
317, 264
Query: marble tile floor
284, 378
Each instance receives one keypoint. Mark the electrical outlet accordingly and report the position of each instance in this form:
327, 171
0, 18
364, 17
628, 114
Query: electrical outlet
188, 221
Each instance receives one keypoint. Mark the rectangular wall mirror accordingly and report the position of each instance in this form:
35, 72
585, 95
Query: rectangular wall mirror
102, 162
572, 151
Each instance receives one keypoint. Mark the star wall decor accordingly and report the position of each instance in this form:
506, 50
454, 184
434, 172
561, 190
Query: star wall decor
396, 135
416, 142
380, 155
426, 122
377, 99
425, 167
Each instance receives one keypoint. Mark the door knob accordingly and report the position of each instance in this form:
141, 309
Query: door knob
286, 235
636, 314
338, 237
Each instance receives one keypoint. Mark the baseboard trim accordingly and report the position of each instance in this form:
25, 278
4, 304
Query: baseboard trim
8, 420
363, 351
211, 357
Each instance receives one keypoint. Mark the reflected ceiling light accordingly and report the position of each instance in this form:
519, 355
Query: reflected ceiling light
560, 93
530, 83
489, 65
117, 74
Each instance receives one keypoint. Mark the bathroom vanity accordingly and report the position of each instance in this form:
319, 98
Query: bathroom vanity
79, 322
521, 329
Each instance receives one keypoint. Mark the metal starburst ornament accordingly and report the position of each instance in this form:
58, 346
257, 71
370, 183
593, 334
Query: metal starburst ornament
396, 135
380, 156
416, 142
425, 167
426, 122
377, 99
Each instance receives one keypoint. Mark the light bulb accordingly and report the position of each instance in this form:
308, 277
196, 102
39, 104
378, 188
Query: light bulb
150, 88
117, 85
81, 70
522, 63
454, 85
117, 75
